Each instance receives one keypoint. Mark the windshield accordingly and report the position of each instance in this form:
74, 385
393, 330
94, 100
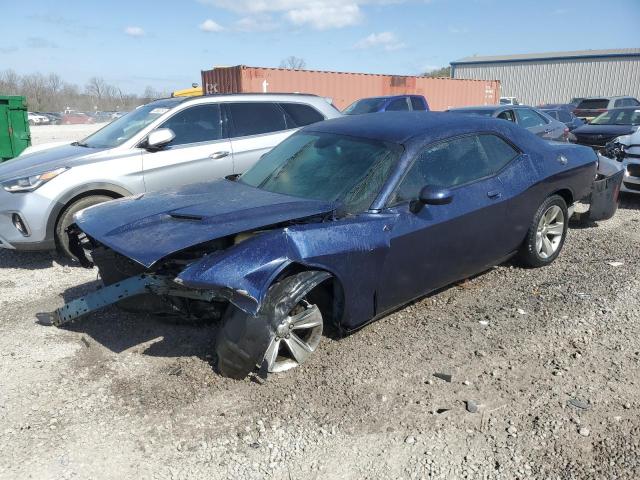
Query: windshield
326, 166
125, 127
623, 116
366, 105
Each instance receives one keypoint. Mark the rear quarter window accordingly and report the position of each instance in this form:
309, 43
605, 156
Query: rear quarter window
564, 116
300, 114
417, 103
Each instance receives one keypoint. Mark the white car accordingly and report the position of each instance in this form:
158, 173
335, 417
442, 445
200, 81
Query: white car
162, 145
35, 119
626, 149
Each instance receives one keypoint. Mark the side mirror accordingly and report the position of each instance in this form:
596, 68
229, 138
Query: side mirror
434, 195
160, 138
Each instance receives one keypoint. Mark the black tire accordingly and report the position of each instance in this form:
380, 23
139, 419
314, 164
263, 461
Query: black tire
238, 341
529, 254
66, 219
243, 339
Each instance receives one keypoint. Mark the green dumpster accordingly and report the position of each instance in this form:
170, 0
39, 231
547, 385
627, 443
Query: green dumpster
14, 126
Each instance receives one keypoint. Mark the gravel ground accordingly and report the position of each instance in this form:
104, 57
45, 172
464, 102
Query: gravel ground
59, 133
549, 356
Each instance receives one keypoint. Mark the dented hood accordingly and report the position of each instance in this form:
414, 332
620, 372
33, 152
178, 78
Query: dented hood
152, 226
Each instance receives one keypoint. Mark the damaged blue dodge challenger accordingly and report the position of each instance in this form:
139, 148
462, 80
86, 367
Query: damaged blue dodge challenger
341, 223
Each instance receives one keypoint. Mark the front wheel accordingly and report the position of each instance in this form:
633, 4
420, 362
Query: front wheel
547, 233
66, 219
284, 334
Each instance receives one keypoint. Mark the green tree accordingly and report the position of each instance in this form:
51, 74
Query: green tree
438, 72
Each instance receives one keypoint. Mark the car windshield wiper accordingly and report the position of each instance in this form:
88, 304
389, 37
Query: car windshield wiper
80, 144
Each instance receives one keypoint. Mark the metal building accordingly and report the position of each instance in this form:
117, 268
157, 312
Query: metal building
556, 77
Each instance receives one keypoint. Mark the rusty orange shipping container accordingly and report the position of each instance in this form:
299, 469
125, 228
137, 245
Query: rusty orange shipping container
345, 88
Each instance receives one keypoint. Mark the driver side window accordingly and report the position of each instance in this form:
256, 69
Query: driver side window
454, 162
200, 123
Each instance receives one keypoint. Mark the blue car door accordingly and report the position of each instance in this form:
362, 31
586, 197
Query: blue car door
431, 246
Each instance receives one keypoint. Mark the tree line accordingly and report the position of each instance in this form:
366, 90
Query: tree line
50, 93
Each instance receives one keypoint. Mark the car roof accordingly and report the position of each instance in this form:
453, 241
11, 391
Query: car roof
403, 127
604, 97
490, 107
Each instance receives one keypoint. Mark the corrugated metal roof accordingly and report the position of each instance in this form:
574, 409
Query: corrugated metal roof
613, 52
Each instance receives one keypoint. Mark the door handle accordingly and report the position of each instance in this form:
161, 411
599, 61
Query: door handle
494, 194
217, 155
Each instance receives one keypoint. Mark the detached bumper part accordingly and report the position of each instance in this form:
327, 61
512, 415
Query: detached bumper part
604, 197
132, 286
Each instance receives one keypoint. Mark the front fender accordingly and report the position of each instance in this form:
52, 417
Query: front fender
243, 272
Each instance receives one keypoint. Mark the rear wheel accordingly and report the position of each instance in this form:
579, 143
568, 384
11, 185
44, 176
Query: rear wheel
546, 234
66, 219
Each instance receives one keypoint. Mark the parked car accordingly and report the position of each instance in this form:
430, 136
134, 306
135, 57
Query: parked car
590, 108
607, 126
102, 117
509, 101
54, 118
76, 118
565, 116
394, 103
340, 224
161, 145
626, 149
37, 119
533, 120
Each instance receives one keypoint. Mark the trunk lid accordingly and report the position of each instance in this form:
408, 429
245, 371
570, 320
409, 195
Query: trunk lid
149, 227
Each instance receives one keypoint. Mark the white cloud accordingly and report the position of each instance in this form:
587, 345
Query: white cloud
134, 31
256, 23
385, 40
323, 17
318, 14
210, 26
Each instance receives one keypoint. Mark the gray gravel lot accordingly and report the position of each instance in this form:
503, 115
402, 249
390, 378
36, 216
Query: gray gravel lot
551, 357
59, 133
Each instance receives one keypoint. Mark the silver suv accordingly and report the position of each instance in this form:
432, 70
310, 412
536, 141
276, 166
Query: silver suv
160, 145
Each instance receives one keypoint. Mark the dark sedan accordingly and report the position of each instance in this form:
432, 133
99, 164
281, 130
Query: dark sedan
607, 126
530, 118
341, 223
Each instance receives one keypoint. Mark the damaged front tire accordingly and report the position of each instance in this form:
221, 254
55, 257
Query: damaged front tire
285, 332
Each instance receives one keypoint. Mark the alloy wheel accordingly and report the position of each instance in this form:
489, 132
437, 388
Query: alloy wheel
295, 338
550, 231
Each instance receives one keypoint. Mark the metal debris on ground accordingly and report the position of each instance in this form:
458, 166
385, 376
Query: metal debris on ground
444, 376
615, 264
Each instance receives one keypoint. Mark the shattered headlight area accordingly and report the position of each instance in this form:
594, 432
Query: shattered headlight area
136, 289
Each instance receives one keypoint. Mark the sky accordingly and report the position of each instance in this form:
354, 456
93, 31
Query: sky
165, 44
